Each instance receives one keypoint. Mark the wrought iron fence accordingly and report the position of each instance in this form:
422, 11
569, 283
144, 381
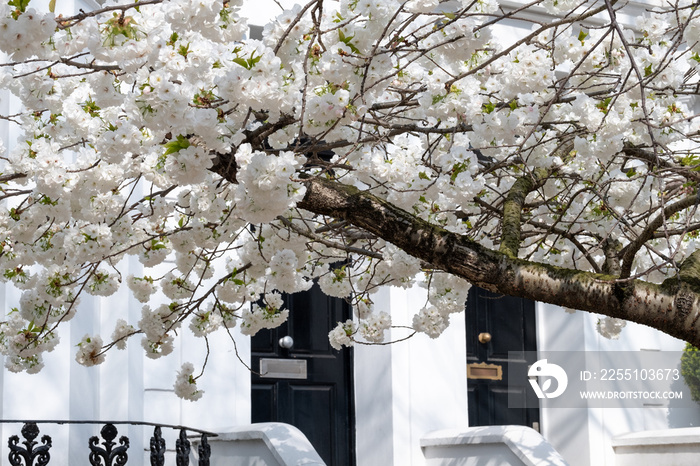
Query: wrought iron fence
105, 450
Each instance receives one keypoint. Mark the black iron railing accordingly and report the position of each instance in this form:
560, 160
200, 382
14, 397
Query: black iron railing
106, 450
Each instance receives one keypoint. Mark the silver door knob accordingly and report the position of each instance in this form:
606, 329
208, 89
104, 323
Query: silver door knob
286, 342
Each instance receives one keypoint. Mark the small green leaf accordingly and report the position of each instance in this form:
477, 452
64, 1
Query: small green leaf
582, 36
241, 62
91, 108
456, 170
52, 6
181, 142
156, 245
20, 5
173, 38
603, 105
438, 98
252, 61
347, 41
690, 160
248, 63
184, 50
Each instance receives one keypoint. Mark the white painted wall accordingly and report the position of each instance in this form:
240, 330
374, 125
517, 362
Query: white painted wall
259, 12
407, 389
489, 446
680, 447
584, 437
265, 444
567, 430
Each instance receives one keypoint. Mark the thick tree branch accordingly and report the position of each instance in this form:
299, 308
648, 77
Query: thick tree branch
611, 248
673, 307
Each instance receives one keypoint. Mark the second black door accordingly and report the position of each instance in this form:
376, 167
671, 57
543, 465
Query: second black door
500, 330
320, 405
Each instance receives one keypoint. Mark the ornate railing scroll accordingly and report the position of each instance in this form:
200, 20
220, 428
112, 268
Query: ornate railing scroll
108, 456
182, 450
204, 451
157, 448
105, 451
28, 453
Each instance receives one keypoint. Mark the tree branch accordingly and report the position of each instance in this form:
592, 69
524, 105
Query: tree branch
11, 176
512, 210
631, 249
672, 307
319, 239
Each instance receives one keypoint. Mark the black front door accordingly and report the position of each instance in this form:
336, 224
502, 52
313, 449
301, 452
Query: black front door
321, 403
496, 325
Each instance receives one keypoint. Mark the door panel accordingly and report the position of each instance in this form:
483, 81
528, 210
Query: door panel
307, 401
263, 397
510, 325
321, 406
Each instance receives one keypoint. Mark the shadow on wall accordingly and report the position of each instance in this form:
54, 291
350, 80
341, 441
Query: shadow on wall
489, 446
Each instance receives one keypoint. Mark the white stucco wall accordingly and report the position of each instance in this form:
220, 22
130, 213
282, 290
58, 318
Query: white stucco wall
566, 430
410, 388
583, 436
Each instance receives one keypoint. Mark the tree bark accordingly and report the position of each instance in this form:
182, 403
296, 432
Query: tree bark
672, 307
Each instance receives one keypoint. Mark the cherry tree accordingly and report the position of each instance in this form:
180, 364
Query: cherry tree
359, 144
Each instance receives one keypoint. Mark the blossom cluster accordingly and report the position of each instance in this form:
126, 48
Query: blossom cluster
266, 186
90, 351
186, 384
